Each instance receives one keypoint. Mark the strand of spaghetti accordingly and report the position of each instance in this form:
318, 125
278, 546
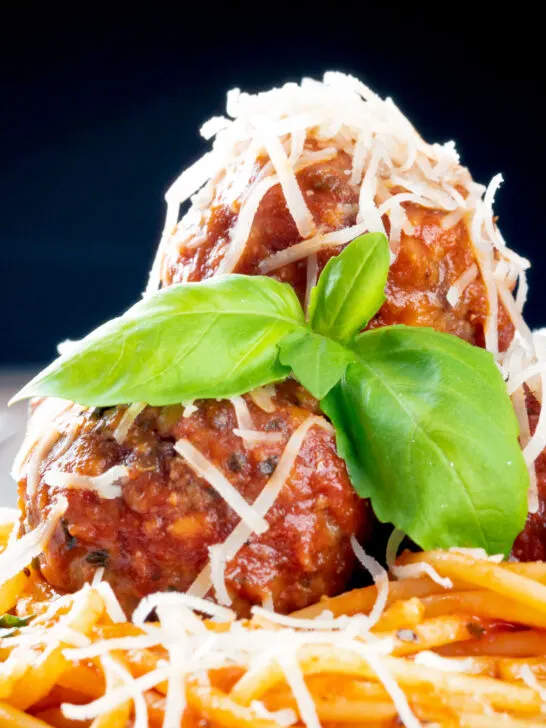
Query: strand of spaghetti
362, 600
478, 572
215, 706
12, 717
317, 659
87, 607
484, 604
430, 634
524, 644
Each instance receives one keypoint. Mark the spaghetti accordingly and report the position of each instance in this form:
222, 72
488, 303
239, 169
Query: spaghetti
473, 654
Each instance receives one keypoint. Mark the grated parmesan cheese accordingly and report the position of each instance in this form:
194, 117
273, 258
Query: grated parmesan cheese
285, 717
242, 413
515, 315
263, 502
396, 694
297, 142
255, 436
300, 691
98, 576
217, 574
292, 194
244, 224
105, 485
263, 397
67, 346
477, 553
426, 658
130, 689
151, 602
189, 409
308, 247
411, 571
203, 468
19, 553
127, 420
38, 425
457, 289
414, 571
40, 452
393, 544
111, 602
530, 679
380, 578
538, 441
176, 642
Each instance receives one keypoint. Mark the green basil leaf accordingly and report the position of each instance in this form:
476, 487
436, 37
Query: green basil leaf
216, 338
428, 432
351, 288
317, 362
8, 621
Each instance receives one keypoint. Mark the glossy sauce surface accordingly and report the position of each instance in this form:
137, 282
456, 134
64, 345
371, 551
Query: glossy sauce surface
155, 537
429, 260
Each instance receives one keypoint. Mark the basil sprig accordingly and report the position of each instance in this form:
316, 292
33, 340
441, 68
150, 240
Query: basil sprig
423, 419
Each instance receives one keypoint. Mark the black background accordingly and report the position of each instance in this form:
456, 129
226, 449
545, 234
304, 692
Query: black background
99, 114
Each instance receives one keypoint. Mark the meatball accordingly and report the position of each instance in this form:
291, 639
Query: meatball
435, 252
530, 545
155, 536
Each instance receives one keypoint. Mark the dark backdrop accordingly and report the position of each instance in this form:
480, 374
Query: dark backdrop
99, 114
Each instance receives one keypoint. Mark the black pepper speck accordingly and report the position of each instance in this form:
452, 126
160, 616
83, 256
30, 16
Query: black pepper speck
236, 462
266, 467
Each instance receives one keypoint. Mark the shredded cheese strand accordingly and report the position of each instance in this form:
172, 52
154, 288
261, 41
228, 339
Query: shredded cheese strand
380, 578
263, 502
21, 552
105, 485
127, 421
214, 477
312, 245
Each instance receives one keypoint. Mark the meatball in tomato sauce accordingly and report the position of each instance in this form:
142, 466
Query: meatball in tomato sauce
155, 535
435, 248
